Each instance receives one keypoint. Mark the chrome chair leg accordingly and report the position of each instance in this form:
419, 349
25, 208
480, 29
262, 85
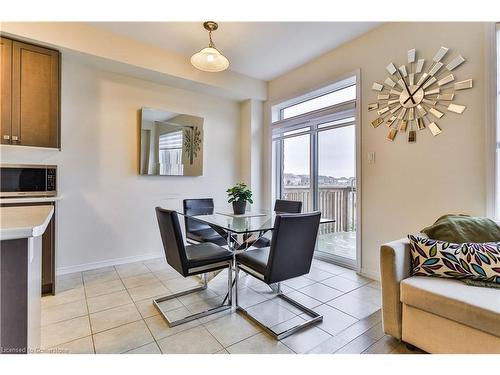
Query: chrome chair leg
276, 288
230, 285
315, 317
222, 307
236, 277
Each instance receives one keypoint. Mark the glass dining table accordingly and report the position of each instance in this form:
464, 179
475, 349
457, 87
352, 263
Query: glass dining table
241, 231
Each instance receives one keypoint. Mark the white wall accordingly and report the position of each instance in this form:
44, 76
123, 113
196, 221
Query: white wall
410, 185
251, 149
107, 210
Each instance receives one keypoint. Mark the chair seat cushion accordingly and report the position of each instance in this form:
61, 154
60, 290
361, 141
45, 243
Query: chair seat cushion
452, 299
206, 235
206, 253
262, 242
255, 259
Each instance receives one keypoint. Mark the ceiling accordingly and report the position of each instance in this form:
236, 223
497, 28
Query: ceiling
263, 50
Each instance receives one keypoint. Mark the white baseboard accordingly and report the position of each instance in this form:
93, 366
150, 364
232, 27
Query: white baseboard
107, 263
371, 274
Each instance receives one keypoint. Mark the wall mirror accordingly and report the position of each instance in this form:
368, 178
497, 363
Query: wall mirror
171, 144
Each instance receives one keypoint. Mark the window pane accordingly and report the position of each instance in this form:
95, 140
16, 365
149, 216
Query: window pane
336, 97
275, 181
337, 191
337, 122
298, 131
296, 171
170, 153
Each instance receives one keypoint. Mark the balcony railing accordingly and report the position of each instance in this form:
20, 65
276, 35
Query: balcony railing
334, 202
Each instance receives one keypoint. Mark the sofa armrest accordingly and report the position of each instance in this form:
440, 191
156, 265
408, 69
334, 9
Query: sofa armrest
395, 263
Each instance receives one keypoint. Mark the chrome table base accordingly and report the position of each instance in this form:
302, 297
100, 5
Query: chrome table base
234, 246
222, 307
315, 317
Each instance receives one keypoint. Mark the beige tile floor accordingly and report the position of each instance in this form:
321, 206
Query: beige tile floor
110, 310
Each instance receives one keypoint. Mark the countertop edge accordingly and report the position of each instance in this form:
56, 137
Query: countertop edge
26, 232
30, 200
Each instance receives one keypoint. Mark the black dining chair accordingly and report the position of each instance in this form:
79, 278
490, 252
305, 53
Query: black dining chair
189, 261
281, 206
196, 231
290, 255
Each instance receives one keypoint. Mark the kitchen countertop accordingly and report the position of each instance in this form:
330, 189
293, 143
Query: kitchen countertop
30, 199
24, 221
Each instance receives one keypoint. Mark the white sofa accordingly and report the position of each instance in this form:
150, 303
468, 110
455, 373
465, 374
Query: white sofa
436, 315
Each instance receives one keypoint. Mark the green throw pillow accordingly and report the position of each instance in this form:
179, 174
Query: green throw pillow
481, 283
463, 228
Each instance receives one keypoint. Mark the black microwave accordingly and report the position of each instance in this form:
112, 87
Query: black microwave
27, 180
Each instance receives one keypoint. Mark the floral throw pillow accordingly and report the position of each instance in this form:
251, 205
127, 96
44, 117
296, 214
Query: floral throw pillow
478, 261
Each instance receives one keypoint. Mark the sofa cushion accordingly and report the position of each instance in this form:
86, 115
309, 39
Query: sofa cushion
480, 261
463, 228
473, 306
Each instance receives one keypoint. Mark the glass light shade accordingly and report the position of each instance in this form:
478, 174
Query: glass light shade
210, 60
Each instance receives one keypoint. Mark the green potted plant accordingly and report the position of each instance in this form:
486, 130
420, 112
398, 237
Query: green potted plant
239, 195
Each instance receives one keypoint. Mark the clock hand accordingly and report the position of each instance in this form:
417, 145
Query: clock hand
418, 88
407, 89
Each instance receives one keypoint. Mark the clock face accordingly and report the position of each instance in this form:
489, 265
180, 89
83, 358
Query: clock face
414, 96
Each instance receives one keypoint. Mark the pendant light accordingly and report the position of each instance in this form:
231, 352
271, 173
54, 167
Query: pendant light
209, 59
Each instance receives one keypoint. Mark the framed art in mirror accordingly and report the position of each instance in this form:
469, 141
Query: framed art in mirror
171, 144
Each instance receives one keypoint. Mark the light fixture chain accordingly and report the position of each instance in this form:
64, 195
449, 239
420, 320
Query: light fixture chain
211, 43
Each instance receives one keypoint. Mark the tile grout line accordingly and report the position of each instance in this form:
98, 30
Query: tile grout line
203, 324
107, 309
235, 312
142, 318
375, 343
346, 328
263, 331
88, 316
295, 315
88, 310
120, 325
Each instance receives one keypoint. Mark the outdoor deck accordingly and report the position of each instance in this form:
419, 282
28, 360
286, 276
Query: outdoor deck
337, 203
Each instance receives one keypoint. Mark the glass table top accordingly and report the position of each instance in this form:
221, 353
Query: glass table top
263, 221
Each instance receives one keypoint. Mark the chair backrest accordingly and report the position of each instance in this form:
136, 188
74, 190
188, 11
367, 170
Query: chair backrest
292, 246
204, 206
282, 206
171, 236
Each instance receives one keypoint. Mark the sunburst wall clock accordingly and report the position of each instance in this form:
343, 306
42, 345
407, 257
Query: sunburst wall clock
414, 96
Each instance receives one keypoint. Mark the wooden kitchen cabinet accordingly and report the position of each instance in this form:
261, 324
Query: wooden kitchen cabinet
34, 95
6, 88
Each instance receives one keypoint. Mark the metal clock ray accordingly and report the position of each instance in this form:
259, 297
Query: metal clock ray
414, 96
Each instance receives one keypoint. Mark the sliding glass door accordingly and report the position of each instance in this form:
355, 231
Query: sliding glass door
314, 161
336, 190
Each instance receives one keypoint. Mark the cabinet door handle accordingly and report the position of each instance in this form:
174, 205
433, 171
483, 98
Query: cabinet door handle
14, 138
6, 136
